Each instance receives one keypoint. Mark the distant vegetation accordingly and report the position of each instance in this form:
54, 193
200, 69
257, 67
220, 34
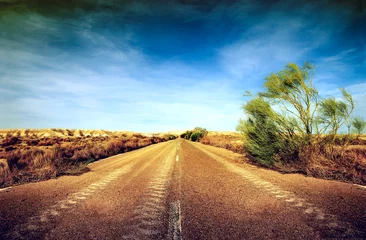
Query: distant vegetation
42, 154
359, 125
194, 135
290, 123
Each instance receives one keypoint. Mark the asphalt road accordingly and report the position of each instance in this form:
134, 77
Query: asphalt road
182, 190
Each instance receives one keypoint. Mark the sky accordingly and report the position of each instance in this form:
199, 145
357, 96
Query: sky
156, 66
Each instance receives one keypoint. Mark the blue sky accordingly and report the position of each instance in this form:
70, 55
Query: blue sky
153, 66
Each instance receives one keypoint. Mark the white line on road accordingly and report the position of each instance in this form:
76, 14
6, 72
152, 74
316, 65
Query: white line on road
175, 221
5, 189
360, 186
177, 158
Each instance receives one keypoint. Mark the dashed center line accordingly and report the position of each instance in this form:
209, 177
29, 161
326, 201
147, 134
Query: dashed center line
360, 186
175, 222
7, 189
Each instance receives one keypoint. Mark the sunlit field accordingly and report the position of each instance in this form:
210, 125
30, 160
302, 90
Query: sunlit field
33, 155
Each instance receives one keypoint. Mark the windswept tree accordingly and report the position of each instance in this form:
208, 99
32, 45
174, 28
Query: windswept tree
260, 130
292, 89
283, 120
359, 125
334, 113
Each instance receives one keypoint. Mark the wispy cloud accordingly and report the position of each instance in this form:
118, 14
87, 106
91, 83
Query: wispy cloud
139, 67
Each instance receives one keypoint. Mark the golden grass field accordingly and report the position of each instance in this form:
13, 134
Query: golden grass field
31, 155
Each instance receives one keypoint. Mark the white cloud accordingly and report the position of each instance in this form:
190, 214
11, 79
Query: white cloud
112, 84
266, 47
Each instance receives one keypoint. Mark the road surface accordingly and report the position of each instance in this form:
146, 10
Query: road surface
182, 190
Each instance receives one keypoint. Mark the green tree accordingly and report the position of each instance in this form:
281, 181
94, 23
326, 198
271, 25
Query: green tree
282, 120
293, 91
334, 113
195, 135
359, 125
260, 130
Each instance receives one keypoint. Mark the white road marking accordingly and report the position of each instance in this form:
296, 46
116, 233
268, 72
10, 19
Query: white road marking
309, 210
72, 202
32, 227
177, 158
175, 221
281, 196
333, 224
44, 218
7, 189
53, 212
64, 206
290, 200
320, 216
360, 186
299, 204
81, 198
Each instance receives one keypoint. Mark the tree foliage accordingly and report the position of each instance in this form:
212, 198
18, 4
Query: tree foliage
194, 135
283, 119
293, 91
260, 130
334, 113
359, 125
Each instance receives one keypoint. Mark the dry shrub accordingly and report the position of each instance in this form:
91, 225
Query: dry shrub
32, 142
131, 144
10, 140
45, 172
82, 155
115, 146
99, 152
39, 159
13, 159
49, 141
144, 142
334, 162
45, 158
5, 174
231, 142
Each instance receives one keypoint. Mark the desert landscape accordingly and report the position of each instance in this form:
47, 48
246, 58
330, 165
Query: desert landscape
31, 155
182, 119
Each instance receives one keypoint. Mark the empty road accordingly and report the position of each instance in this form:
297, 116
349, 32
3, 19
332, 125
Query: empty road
182, 190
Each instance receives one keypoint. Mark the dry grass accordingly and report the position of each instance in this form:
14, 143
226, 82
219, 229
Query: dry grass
345, 163
335, 162
24, 157
228, 140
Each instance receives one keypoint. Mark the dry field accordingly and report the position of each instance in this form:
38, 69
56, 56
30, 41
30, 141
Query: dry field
344, 163
33, 155
229, 140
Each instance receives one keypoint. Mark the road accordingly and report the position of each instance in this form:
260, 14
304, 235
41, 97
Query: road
182, 190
